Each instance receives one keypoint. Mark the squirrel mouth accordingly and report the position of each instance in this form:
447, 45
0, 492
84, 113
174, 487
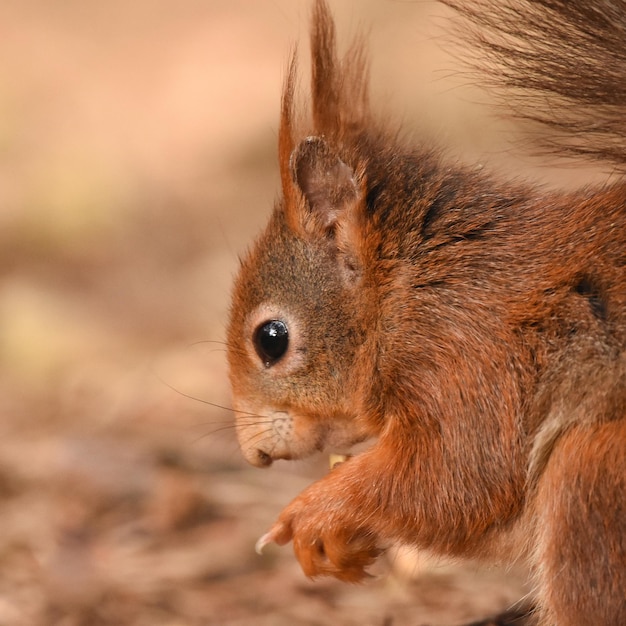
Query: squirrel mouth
263, 459
337, 447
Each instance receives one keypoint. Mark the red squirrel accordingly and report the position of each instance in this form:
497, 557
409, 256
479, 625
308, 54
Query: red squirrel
473, 328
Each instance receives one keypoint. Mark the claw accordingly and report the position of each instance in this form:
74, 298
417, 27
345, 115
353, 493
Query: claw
262, 542
280, 534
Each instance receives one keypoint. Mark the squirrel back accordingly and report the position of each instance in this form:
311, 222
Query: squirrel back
473, 328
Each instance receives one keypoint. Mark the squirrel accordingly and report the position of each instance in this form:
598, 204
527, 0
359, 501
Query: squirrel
473, 328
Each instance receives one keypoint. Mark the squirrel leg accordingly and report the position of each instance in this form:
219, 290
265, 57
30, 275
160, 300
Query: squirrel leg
582, 527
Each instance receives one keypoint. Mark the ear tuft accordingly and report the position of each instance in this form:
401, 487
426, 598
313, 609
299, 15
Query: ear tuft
327, 183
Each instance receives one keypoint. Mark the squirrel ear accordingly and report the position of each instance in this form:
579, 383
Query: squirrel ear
332, 193
327, 183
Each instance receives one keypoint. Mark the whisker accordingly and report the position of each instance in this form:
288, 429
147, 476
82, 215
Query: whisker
212, 432
236, 349
225, 427
222, 345
201, 341
225, 346
250, 419
217, 424
256, 436
202, 400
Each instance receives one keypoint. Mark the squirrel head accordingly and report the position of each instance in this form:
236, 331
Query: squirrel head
299, 317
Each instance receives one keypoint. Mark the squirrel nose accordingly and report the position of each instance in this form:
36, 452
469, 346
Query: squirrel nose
263, 459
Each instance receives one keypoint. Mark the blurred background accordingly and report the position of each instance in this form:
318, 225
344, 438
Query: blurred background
137, 160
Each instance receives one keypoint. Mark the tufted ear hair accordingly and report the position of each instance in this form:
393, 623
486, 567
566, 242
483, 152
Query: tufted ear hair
328, 185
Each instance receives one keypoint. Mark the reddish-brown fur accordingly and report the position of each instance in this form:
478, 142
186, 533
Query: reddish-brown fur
476, 329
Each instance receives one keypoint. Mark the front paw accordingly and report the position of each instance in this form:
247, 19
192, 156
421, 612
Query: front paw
328, 539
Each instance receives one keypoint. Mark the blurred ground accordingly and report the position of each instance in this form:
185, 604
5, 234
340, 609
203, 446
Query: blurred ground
137, 158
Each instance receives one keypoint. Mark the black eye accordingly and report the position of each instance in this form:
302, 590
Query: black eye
271, 340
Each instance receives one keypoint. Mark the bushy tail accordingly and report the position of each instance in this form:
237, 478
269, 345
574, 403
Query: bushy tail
563, 64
